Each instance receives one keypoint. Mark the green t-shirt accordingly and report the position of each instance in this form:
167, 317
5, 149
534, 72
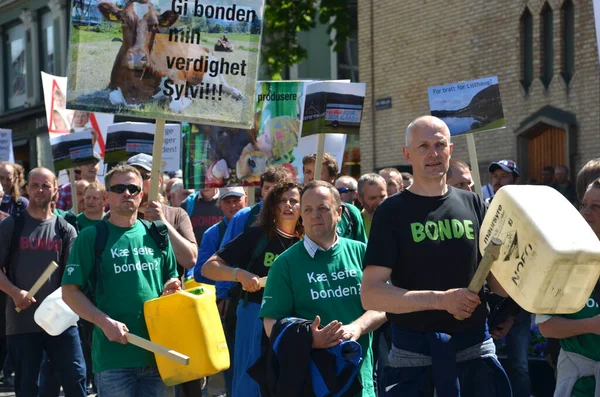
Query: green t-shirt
133, 271
366, 222
327, 285
588, 345
83, 221
357, 231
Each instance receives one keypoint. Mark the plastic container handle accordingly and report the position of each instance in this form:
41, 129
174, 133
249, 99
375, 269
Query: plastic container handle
490, 255
157, 349
40, 282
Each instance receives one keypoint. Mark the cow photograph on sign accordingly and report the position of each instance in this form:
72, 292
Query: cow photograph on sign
176, 60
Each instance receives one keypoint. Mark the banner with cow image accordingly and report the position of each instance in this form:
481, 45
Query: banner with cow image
178, 60
221, 156
125, 140
468, 106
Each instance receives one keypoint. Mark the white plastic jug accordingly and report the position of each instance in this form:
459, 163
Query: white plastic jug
54, 315
550, 257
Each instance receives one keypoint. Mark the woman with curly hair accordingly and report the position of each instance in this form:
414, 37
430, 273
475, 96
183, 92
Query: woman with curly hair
12, 178
277, 228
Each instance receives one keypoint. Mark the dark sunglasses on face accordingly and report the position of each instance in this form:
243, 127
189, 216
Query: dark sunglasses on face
120, 189
77, 172
343, 190
145, 177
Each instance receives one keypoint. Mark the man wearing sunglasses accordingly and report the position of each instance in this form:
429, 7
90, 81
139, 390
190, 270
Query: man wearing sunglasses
133, 270
176, 219
347, 187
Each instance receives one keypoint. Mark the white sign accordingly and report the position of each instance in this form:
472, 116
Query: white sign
6, 148
125, 140
171, 155
334, 145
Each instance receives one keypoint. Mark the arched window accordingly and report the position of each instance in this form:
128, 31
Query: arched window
567, 12
547, 45
526, 49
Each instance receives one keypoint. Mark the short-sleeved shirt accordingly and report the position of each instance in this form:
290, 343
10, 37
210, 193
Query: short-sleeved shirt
239, 251
39, 244
351, 224
327, 285
83, 221
179, 219
430, 243
133, 271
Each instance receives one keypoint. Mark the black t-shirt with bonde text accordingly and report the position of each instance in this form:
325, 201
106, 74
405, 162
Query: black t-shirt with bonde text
430, 243
240, 250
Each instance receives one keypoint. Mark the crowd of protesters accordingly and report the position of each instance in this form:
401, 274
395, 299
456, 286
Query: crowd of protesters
359, 299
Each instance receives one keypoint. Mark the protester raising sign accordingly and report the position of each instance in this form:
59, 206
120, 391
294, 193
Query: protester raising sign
125, 140
168, 59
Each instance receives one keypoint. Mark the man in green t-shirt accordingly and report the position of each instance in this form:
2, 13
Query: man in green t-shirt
372, 190
319, 278
93, 210
132, 270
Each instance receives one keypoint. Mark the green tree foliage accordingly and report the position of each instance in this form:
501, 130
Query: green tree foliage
285, 18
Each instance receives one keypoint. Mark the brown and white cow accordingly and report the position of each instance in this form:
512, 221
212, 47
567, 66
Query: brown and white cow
140, 68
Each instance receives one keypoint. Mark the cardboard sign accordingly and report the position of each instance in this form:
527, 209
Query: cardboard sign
333, 107
72, 150
196, 62
125, 140
6, 147
468, 106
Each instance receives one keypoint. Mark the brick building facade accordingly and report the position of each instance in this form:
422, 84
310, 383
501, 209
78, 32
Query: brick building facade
544, 54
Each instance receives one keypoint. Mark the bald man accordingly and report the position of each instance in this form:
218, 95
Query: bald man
425, 240
28, 243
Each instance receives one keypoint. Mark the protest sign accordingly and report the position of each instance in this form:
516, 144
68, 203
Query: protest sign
125, 140
197, 62
72, 150
468, 106
6, 147
333, 107
220, 156
334, 144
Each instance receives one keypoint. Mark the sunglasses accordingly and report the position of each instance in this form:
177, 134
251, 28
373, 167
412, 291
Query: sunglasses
134, 190
145, 177
77, 172
343, 190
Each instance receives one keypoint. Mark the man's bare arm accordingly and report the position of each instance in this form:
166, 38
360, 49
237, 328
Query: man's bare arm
377, 294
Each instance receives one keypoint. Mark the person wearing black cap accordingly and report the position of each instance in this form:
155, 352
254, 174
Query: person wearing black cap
506, 172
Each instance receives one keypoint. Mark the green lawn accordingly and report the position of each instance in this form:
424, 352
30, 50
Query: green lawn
233, 36
494, 124
88, 36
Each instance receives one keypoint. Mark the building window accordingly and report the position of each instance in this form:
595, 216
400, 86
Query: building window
47, 40
568, 40
15, 65
526, 49
547, 45
348, 56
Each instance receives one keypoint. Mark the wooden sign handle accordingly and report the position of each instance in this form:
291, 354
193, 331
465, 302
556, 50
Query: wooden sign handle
490, 255
157, 349
157, 148
319, 157
40, 282
74, 206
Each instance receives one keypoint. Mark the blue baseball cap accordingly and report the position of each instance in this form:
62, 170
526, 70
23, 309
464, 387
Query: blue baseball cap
506, 165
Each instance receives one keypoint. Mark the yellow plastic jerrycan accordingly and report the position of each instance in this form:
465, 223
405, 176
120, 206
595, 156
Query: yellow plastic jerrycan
189, 323
550, 257
190, 283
